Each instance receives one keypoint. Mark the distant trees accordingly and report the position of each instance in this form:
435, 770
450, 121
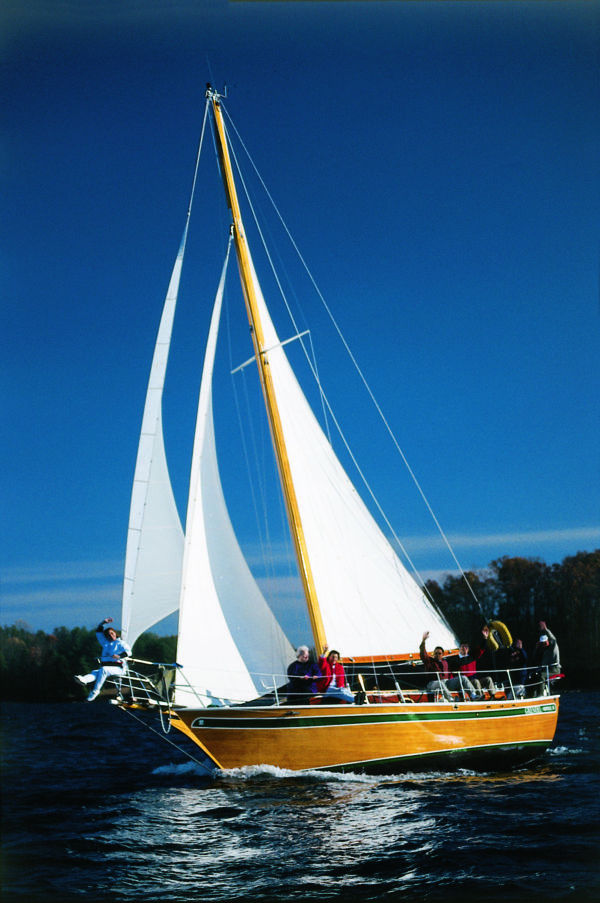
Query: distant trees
39, 667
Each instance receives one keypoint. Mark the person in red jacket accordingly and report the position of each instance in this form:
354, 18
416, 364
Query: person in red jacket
332, 681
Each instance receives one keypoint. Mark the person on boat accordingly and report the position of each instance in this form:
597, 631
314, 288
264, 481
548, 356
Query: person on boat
546, 653
437, 664
112, 659
466, 664
302, 673
485, 663
516, 674
546, 662
332, 681
518, 662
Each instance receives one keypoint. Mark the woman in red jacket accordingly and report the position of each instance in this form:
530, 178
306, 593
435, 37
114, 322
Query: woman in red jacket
332, 681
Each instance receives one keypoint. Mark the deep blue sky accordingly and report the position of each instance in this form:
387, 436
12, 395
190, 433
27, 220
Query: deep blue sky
438, 166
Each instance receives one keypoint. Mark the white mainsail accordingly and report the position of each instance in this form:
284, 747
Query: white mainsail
230, 644
154, 551
369, 603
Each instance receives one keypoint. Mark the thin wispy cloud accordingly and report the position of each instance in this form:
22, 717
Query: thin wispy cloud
50, 594
279, 555
505, 543
510, 539
62, 572
59, 593
61, 606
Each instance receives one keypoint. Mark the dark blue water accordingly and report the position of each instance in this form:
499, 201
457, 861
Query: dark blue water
95, 805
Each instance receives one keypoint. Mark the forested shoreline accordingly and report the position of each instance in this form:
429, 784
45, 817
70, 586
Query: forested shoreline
520, 592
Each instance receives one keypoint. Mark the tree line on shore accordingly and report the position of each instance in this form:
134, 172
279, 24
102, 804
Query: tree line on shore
520, 592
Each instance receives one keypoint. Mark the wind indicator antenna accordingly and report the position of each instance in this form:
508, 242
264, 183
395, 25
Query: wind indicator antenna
213, 93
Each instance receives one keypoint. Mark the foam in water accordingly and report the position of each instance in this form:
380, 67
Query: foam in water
186, 768
270, 772
273, 772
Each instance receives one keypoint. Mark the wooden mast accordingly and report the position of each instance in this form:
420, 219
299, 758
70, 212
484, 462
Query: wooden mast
256, 329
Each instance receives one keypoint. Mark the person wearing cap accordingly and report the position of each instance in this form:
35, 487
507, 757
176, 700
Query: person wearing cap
112, 659
546, 653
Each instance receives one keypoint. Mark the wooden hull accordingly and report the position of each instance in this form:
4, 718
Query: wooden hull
386, 738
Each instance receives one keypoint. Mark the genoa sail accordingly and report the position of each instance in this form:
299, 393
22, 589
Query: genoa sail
229, 641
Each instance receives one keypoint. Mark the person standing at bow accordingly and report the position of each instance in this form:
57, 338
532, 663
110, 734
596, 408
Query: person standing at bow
112, 659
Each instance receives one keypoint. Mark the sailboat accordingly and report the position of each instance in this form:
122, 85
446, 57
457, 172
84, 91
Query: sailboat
228, 692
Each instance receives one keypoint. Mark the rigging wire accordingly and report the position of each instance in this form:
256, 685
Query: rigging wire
362, 378
209, 771
199, 151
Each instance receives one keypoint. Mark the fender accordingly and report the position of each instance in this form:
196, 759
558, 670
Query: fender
499, 635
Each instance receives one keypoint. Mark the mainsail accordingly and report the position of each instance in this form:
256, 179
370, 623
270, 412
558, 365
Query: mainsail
369, 603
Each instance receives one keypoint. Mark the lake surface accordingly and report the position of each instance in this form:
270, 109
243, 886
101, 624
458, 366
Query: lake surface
96, 805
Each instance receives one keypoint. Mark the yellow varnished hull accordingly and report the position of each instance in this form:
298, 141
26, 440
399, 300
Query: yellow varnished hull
375, 738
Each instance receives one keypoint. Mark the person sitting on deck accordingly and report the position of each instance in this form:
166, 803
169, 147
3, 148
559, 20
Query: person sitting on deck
112, 659
464, 663
301, 673
332, 682
436, 664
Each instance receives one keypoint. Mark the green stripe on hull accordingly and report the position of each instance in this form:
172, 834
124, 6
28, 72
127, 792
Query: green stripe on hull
287, 722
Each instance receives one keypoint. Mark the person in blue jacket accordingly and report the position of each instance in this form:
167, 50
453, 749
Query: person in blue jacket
112, 659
